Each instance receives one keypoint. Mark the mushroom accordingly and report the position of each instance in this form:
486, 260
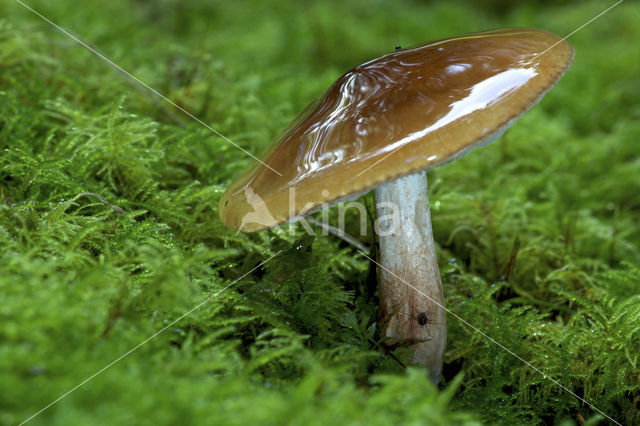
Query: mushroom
381, 126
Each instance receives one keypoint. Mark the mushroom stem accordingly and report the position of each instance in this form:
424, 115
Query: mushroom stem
415, 312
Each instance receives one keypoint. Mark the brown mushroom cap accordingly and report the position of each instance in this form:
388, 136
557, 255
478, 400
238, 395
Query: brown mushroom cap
398, 114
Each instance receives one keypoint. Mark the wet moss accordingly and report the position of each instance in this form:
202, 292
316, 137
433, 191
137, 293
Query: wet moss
538, 234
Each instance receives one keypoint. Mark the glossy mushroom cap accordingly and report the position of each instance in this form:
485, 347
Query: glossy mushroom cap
403, 112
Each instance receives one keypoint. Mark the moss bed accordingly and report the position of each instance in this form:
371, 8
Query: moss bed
538, 234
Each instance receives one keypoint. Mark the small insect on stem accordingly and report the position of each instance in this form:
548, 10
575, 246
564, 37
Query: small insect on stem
422, 319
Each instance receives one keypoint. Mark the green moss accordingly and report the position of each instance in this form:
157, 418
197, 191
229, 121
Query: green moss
293, 341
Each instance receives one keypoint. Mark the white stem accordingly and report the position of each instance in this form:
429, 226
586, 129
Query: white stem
413, 312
